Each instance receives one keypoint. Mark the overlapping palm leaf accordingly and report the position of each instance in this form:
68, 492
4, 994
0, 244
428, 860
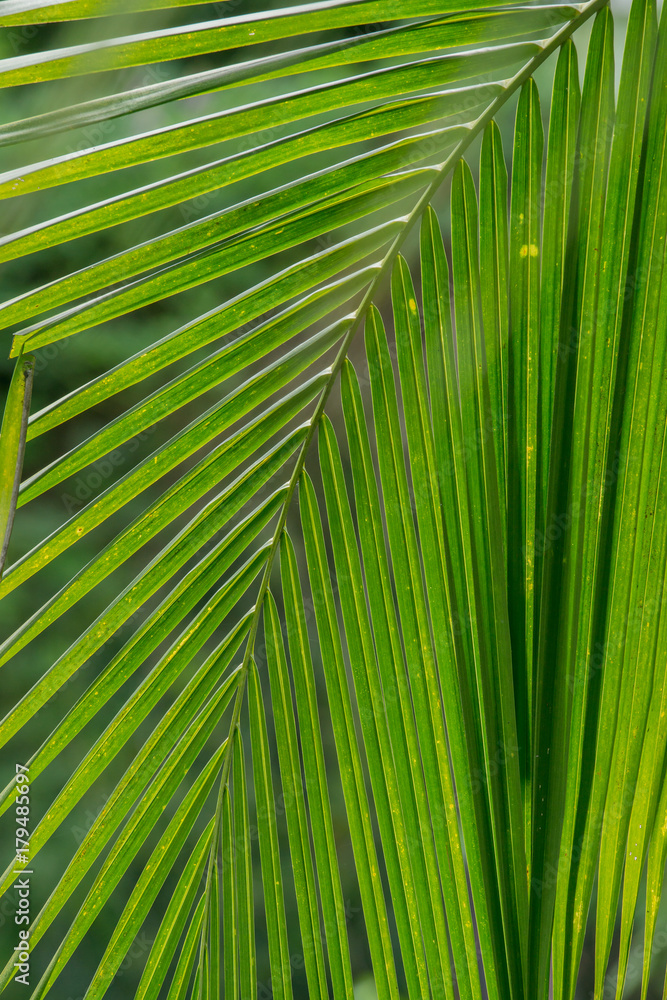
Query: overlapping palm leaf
392, 572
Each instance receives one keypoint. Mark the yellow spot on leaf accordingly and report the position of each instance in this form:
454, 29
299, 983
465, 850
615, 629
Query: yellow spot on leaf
525, 250
413, 305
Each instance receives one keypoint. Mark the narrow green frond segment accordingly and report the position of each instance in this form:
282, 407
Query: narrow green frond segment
243, 349
368, 691
630, 550
624, 186
23, 12
415, 792
232, 315
12, 446
562, 144
201, 628
473, 28
493, 653
651, 791
157, 868
552, 692
295, 811
198, 38
188, 541
235, 404
215, 937
196, 268
231, 451
576, 645
124, 849
459, 106
450, 450
224, 910
524, 500
241, 864
396, 82
172, 44
188, 956
229, 228
333, 905
203, 990
356, 802
173, 923
272, 879
494, 265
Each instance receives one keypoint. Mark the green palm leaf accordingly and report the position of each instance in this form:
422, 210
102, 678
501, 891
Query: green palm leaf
382, 587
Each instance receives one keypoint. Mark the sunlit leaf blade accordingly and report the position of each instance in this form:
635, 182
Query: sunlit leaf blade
279, 956
649, 811
494, 263
449, 451
234, 405
575, 872
143, 894
367, 685
218, 261
523, 498
290, 769
562, 141
64, 667
390, 83
655, 873
435, 34
358, 812
199, 183
173, 924
31, 12
315, 777
552, 692
239, 349
211, 36
222, 460
645, 820
188, 241
224, 907
395, 683
12, 446
366, 12
201, 529
241, 864
548, 706
178, 721
493, 660
245, 308
188, 956
132, 836
624, 183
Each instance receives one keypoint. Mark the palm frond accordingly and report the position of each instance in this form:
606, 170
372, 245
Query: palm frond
419, 627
